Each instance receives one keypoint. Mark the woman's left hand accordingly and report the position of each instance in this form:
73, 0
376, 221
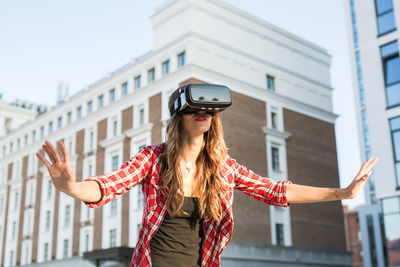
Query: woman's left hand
365, 172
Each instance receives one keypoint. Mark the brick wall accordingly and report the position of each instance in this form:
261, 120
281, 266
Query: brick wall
312, 160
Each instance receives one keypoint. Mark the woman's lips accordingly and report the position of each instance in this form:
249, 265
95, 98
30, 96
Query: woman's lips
201, 118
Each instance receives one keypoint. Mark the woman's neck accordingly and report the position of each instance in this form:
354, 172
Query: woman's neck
191, 146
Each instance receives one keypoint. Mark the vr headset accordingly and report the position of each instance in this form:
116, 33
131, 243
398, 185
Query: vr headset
192, 98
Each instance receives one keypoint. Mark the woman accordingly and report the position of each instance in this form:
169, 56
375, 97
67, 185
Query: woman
187, 185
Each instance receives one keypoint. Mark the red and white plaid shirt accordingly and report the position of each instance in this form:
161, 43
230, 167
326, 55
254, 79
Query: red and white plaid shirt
144, 167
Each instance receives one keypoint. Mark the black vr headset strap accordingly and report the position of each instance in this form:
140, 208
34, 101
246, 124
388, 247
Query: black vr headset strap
178, 102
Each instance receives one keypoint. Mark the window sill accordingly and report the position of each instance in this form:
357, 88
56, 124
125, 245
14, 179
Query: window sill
382, 34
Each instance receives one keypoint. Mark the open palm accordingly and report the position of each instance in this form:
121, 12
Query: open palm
60, 169
358, 182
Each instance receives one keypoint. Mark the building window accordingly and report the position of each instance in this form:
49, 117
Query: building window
11, 258
270, 83
49, 188
69, 117
89, 107
113, 207
90, 170
113, 238
150, 75
50, 127
137, 82
25, 141
79, 112
115, 127
165, 67
86, 242
354, 24
91, 140
395, 129
138, 227
33, 136
16, 201
141, 116
385, 16
181, 59
391, 71
275, 158
70, 147
67, 218
59, 122
18, 143
14, 230
371, 235
365, 127
124, 89
47, 225
11, 147
114, 163
65, 254
46, 252
280, 241
42, 132
26, 261
390, 221
100, 101
4, 151
274, 120
112, 95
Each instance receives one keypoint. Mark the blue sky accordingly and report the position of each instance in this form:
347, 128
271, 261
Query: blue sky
45, 42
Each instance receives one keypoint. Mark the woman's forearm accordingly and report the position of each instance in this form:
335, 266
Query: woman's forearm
88, 191
307, 194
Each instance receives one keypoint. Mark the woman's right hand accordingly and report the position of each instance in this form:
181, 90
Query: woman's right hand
60, 169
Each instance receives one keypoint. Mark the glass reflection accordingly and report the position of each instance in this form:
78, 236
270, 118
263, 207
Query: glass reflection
391, 209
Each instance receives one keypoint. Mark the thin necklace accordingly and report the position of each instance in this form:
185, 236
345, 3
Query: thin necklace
188, 168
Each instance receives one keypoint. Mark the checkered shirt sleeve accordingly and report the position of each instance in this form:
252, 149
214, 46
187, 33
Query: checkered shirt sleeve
261, 188
119, 181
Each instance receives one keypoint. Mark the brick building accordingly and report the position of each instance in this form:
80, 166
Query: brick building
281, 125
353, 236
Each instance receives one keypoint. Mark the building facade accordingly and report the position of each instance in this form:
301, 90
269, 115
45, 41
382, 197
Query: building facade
353, 236
281, 125
374, 45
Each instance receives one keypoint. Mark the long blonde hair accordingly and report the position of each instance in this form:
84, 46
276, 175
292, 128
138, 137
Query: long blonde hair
208, 163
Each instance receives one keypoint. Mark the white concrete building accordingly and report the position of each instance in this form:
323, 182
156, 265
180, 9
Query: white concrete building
374, 42
281, 88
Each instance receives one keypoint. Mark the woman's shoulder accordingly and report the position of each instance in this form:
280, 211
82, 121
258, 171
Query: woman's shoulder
154, 149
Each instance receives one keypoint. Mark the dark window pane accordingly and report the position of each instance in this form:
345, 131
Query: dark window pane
279, 234
396, 145
393, 70
371, 236
386, 23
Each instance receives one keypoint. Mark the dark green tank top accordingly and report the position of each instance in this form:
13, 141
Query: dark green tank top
178, 240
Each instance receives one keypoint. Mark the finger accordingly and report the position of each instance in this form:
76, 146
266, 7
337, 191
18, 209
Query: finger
45, 162
49, 154
364, 177
64, 151
371, 165
56, 155
366, 164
